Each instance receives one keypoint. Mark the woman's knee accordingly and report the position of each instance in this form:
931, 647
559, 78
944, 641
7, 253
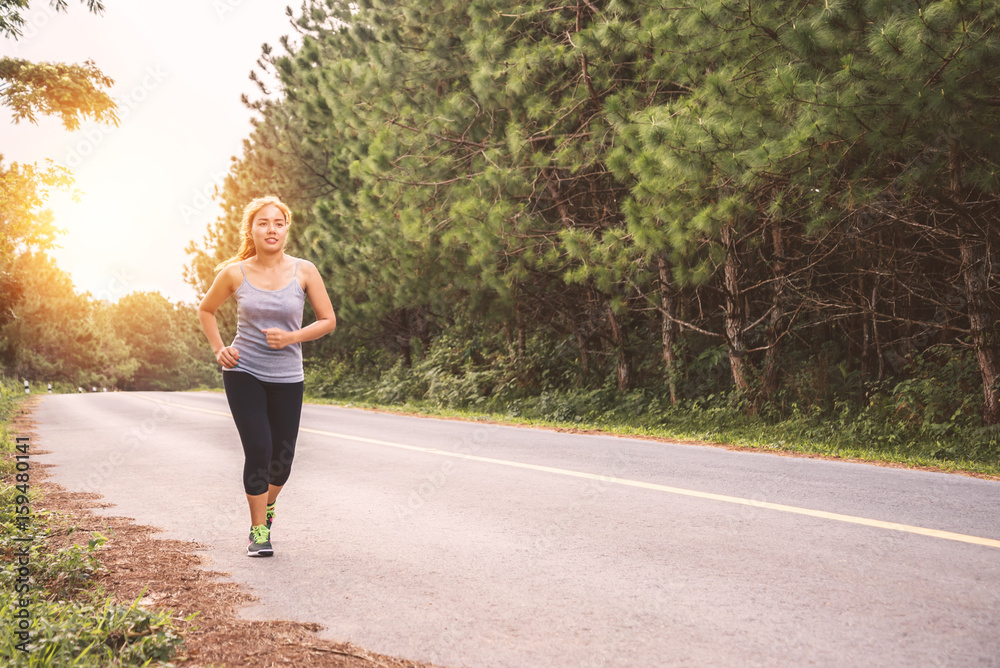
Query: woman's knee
255, 480
281, 462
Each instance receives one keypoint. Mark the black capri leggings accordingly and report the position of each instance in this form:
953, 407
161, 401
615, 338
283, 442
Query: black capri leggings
267, 417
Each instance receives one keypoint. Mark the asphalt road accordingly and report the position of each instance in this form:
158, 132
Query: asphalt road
468, 544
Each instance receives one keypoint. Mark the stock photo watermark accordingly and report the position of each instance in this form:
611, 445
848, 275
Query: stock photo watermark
223, 8
21, 618
202, 198
432, 483
36, 18
129, 443
590, 492
117, 286
152, 78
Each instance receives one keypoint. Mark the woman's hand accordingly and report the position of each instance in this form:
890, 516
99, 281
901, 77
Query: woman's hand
228, 357
278, 338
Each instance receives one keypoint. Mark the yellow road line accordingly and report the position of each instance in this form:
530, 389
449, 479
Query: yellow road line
822, 514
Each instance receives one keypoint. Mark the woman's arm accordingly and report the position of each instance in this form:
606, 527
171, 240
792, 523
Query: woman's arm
222, 288
326, 319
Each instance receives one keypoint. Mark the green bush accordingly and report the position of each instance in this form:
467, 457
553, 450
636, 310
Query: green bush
929, 411
397, 385
90, 631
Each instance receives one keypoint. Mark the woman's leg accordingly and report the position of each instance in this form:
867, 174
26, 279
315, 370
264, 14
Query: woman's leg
284, 409
258, 509
272, 493
249, 405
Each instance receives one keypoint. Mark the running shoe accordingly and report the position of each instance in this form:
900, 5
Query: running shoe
259, 545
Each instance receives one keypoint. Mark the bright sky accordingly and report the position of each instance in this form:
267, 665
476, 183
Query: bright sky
179, 69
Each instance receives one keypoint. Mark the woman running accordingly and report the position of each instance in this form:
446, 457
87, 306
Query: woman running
262, 369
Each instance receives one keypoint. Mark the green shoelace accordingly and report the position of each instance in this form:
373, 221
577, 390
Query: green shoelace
260, 533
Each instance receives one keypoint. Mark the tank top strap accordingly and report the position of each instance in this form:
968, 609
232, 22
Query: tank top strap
242, 269
296, 273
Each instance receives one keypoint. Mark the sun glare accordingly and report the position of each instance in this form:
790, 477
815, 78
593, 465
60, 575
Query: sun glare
145, 186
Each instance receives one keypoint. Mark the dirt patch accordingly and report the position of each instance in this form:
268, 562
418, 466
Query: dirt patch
169, 576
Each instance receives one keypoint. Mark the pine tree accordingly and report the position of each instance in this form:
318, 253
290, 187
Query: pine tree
794, 124
647, 183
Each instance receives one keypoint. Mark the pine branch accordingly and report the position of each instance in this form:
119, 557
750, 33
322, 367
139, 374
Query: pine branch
453, 140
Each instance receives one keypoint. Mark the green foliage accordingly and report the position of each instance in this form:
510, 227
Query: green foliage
783, 204
11, 20
11, 394
165, 341
24, 225
142, 342
72, 92
77, 350
91, 631
937, 402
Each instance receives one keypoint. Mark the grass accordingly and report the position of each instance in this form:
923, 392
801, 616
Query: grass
723, 428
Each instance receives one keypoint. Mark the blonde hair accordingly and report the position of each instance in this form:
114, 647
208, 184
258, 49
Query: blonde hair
247, 249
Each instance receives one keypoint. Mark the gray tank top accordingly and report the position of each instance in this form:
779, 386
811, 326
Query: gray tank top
260, 309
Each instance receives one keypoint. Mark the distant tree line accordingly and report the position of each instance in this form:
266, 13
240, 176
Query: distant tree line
775, 200
52, 334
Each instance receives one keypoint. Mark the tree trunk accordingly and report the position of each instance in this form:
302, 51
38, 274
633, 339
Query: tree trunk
976, 267
736, 317
668, 327
519, 328
983, 323
419, 329
581, 344
871, 347
621, 355
403, 338
405, 349
866, 340
770, 374
879, 356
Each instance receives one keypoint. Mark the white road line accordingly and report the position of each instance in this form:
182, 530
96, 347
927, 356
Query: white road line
822, 514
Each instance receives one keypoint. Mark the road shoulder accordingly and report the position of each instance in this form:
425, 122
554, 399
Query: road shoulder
170, 575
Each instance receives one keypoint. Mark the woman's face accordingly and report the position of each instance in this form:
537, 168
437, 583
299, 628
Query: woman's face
269, 229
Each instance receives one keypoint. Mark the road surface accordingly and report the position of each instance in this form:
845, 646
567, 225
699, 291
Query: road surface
467, 544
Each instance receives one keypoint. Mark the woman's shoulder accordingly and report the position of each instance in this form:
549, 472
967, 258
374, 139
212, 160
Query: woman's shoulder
234, 269
232, 274
303, 264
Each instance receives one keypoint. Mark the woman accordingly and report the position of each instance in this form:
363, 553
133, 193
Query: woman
262, 369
